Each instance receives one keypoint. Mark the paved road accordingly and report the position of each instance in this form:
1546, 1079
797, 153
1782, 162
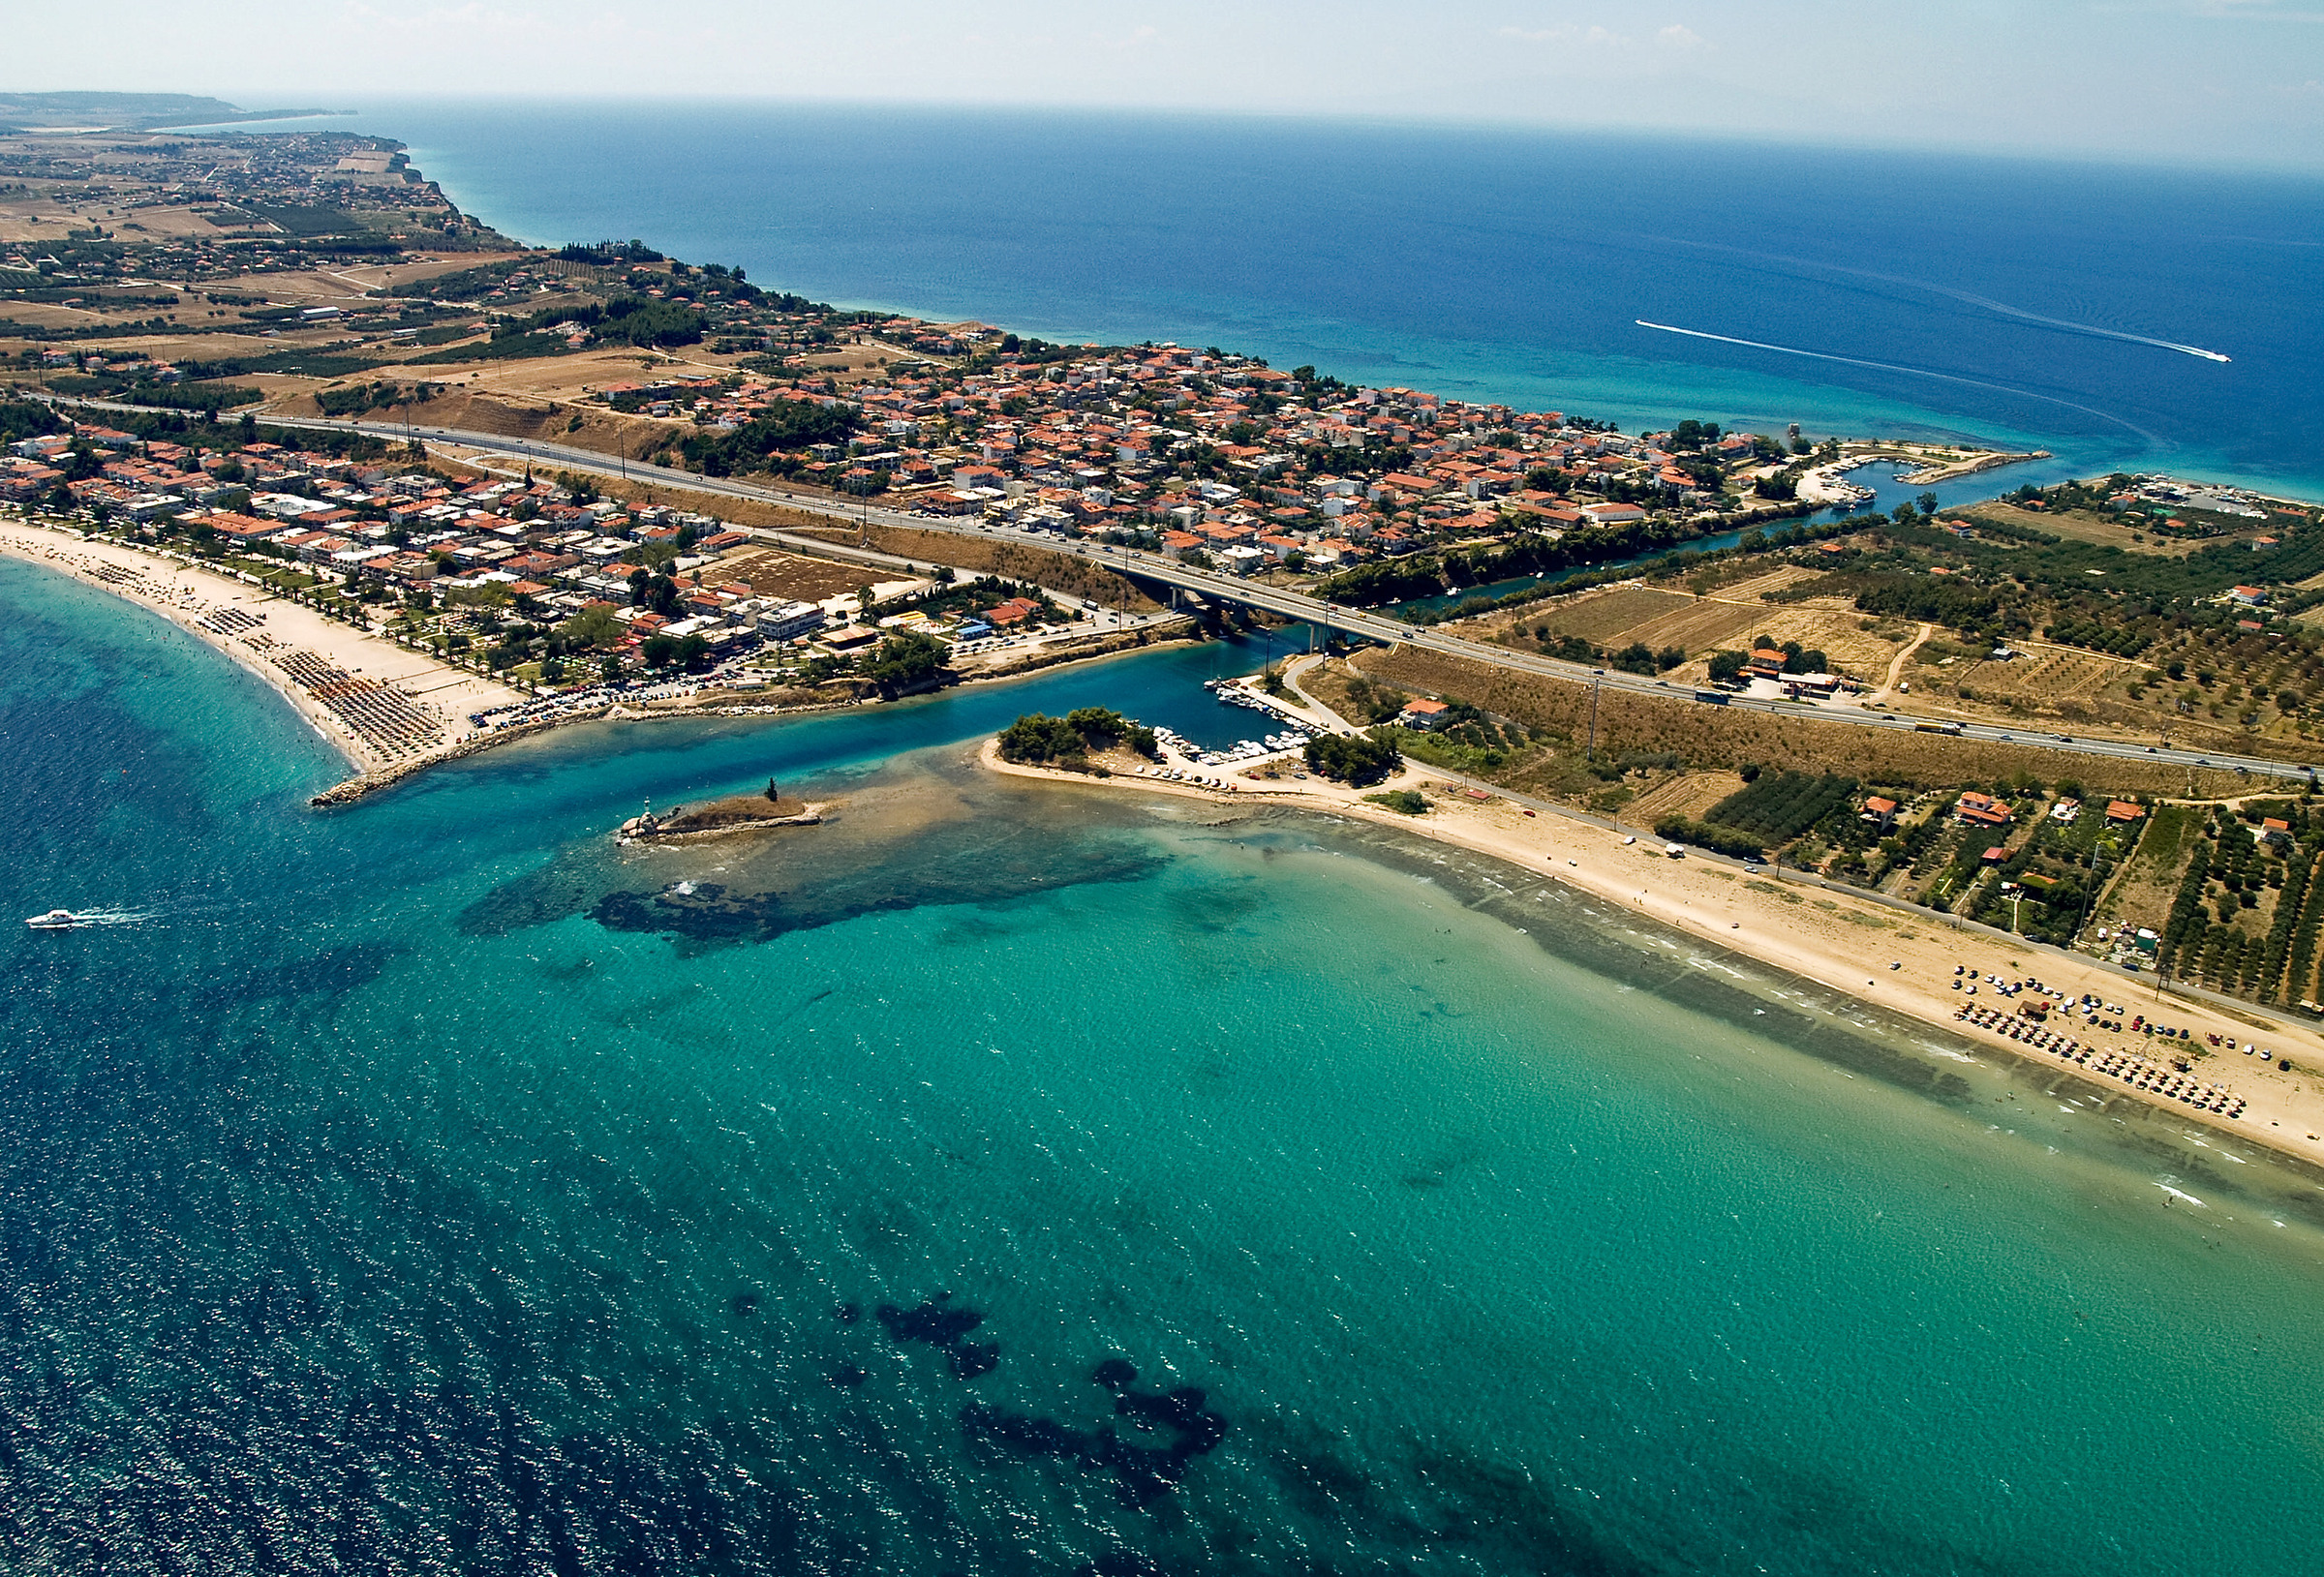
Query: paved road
1293, 605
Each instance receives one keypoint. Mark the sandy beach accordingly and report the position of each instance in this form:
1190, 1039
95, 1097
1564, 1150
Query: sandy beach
1842, 944
390, 711
387, 710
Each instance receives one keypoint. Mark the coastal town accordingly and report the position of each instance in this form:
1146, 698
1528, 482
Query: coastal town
558, 608
210, 348
363, 291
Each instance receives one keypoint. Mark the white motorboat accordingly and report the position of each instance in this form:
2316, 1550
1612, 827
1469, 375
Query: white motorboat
56, 920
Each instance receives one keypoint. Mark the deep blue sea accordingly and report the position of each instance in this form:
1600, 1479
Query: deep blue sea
435, 1186
2009, 301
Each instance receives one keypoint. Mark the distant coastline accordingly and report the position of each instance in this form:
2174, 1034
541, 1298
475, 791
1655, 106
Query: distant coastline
1286, 290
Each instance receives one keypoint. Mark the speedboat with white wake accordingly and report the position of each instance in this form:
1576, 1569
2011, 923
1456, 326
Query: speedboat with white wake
56, 920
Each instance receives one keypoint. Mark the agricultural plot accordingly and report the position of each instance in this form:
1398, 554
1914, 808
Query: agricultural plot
2150, 879
2041, 679
1768, 813
1781, 806
1755, 588
2247, 913
1699, 627
1690, 794
1607, 614
1943, 864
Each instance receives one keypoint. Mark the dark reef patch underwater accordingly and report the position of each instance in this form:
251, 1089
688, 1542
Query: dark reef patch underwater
1311, 1202
895, 846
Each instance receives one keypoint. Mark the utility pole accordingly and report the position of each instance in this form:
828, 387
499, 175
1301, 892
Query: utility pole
1591, 754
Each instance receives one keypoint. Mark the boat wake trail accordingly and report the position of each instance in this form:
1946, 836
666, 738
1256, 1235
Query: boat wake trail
2007, 311
1986, 302
111, 917
1911, 371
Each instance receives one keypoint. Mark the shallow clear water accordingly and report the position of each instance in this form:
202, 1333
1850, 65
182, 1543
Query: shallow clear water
437, 1186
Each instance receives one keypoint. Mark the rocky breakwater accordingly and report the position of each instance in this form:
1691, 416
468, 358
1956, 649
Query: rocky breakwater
371, 782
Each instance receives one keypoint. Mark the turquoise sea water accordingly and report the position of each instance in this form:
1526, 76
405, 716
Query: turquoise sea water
434, 1186
2009, 301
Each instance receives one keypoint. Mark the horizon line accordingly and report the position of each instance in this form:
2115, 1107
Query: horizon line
2310, 168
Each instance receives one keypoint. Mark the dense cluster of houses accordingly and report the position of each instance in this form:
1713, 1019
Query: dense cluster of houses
412, 532
1089, 446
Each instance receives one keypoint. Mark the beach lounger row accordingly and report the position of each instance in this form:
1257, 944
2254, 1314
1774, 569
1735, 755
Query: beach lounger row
2139, 1073
230, 620
379, 714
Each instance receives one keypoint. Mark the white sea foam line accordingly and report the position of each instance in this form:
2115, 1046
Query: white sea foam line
2175, 1195
1987, 302
1914, 372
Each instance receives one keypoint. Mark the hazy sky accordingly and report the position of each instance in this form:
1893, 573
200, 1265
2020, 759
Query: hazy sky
2206, 80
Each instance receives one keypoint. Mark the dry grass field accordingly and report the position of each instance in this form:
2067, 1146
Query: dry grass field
1725, 620
1708, 737
1755, 588
1852, 643
1702, 626
794, 576
1059, 571
1688, 793
1606, 613
2081, 526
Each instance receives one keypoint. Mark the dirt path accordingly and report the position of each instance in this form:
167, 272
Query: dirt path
1896, 664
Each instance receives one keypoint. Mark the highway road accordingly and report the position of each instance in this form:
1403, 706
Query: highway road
1293, 605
